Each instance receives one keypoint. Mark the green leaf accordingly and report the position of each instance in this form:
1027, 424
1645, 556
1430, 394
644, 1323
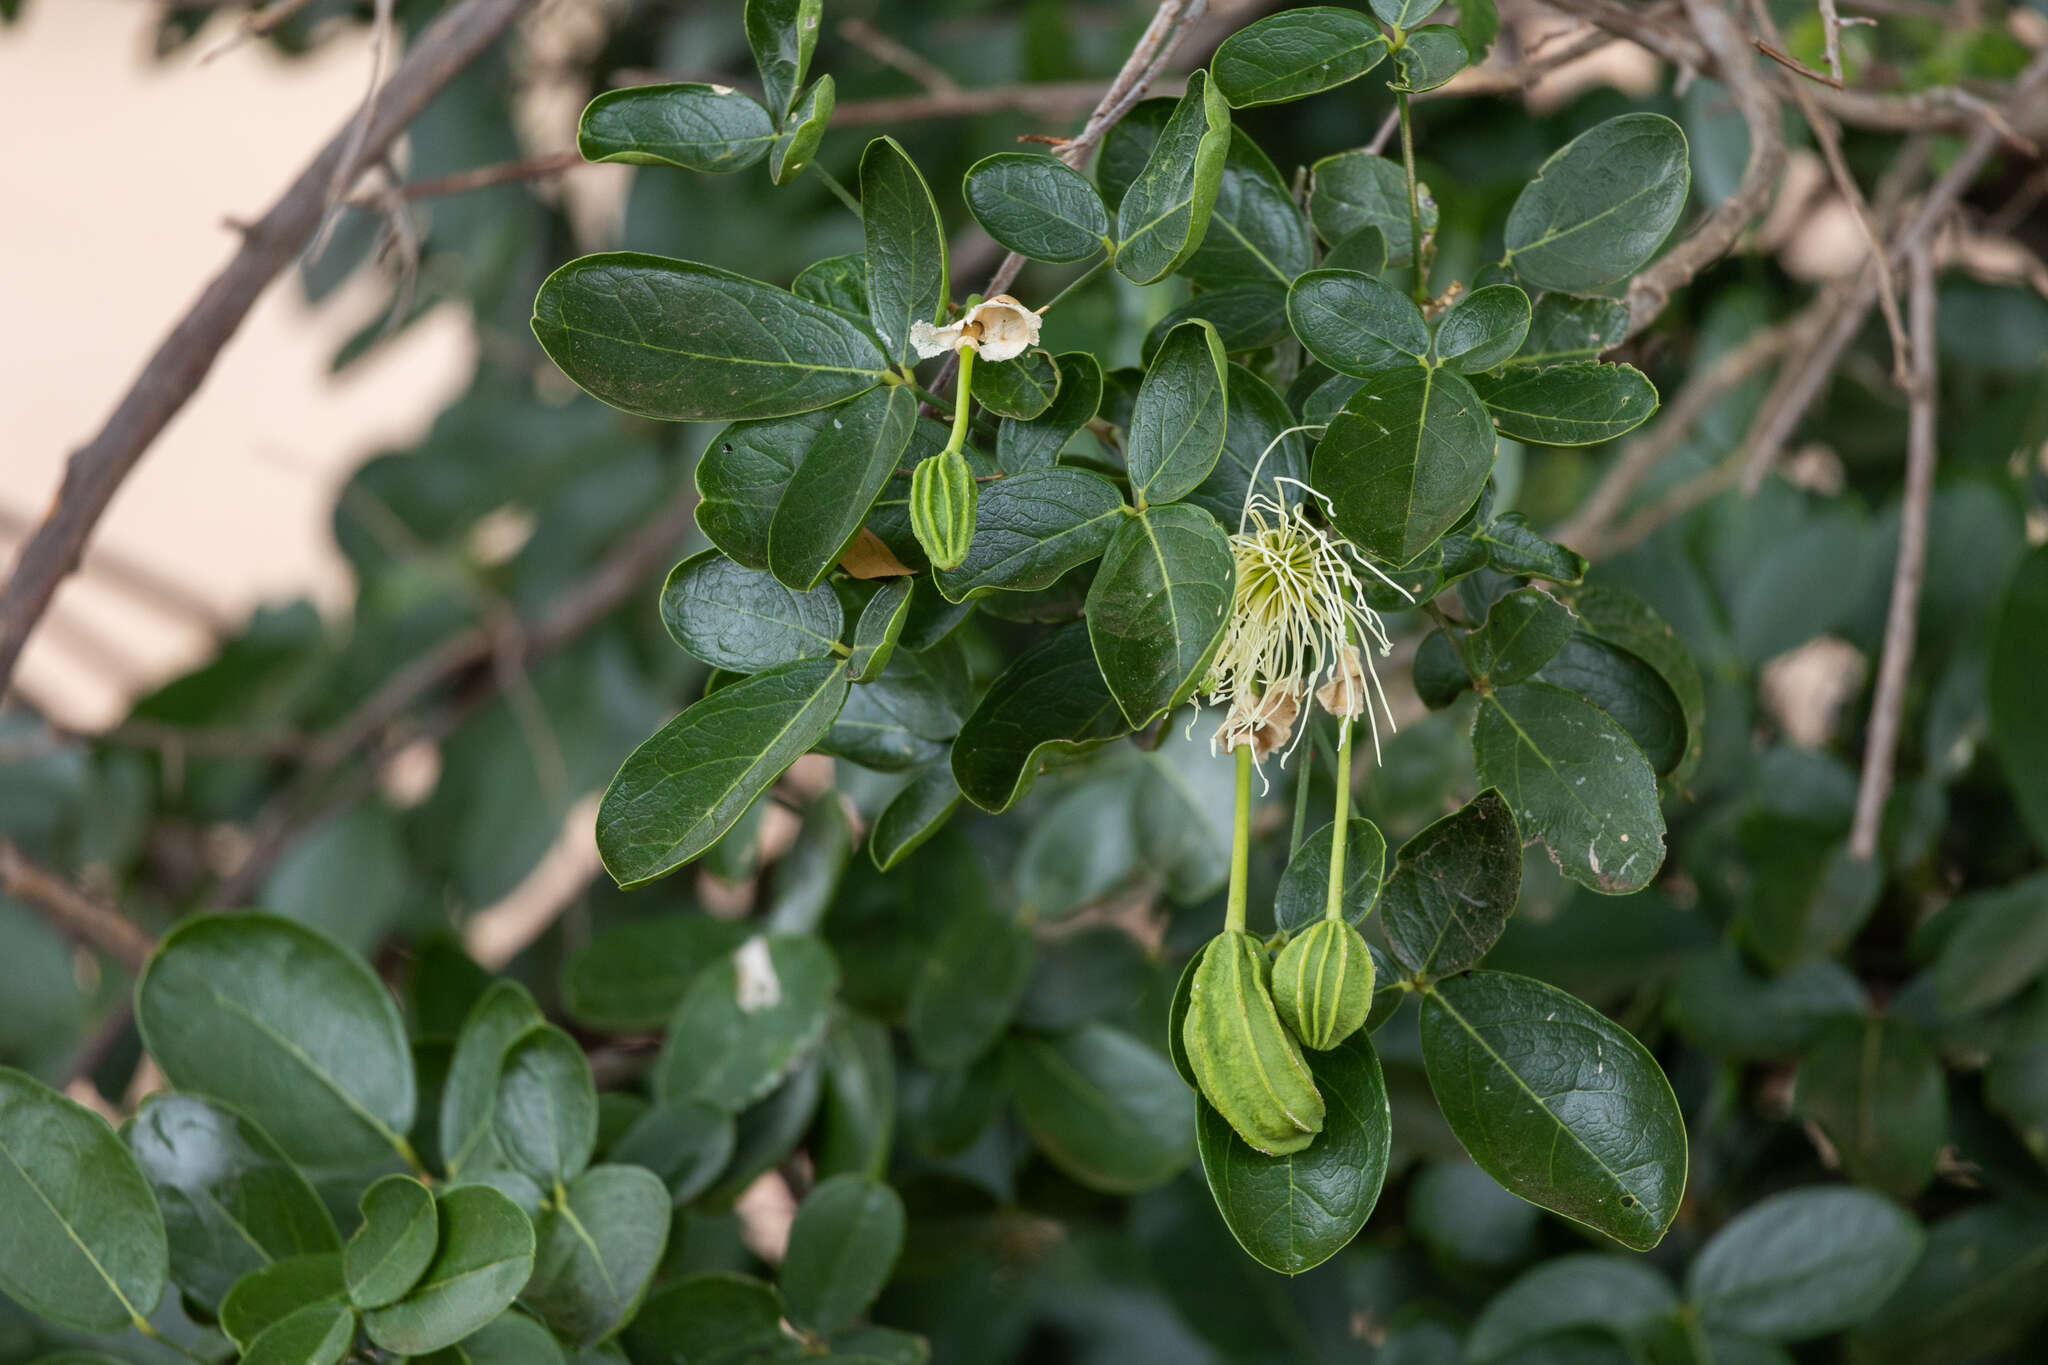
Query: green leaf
913, 815
1620, 1294
1036, 443
1523, 631
1483, 329
858, 1122
1030, 528
1292, 1213
1556, 1102
1247, 317
1627, 622
1177, 424
1158, 607
900, 720
597, 1251
1404, 13
1164, 213
741, 619
746, 1021
842, 1247
282, 1023
967, 988
838, 282
692, 343
513, 1339
906, 245
1979, 1287
878, 628
1036, 206
783, 34
800, 137
1406, 458
1296, 53
1601, 205
1051, 700
392, 1248
1453, 887
1430, 57
483, 1259
546, 1107
1103, 1107
84, 1243
629, 978
1575, 780
1563, 327
715, 1318
2019, 660
687, 1144
1999, 945
1720, 1005
1355, 324
231, 1200
1875, 1087
684, 787
1513, 549
766, 1134
1364, 251
273, 1292
1259, 435
318, 1334
469, 1097
1256, 233
1803, 1263
1355, 190
1576, 404
1022, 388
830, 493
1305, 886
1629, 690
697, 127
741, 478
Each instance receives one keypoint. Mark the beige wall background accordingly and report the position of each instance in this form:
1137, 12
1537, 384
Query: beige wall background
117, 172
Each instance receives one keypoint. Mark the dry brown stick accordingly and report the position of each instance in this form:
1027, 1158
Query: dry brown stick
1881, 744
181, 361
896, 56
70, 911
147, 584
1831, 38
1794, 65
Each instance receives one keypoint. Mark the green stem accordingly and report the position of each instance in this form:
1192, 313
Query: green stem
143, 1326
1240, 843
959, 438
1333, 905
942, 405
832, 184
411, 1158
1414, 197
1303, 780
1085, 277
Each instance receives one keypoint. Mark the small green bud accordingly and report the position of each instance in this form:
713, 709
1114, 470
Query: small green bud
942, 503
1322, 984
1246, 1064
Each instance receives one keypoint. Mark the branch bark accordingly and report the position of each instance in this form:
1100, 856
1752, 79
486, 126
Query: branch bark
71, 912
181, 362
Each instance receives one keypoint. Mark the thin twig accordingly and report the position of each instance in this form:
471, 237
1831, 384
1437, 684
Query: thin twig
71, 912
1831, 38
1794, 65
146, 583
1888, 703
256, 24
96, 470
896, 56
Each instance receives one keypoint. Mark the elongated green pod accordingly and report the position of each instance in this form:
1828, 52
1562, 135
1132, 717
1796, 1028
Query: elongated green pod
1322, 984
942, 505
1245, 1062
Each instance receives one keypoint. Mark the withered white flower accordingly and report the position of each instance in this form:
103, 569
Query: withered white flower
998, 329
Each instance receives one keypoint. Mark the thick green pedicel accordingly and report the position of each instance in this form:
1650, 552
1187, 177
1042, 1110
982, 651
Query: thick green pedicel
1322, 984
942, 507
1245, 1062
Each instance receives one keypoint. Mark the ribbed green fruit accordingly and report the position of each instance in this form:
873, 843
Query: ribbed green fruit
1322, 984
942, 501
1245, 1062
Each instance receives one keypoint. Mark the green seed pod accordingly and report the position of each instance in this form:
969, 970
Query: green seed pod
1322, 984
942, 499
1245, 1062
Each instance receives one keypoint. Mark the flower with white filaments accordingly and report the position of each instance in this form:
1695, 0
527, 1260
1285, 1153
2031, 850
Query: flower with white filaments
1298, 617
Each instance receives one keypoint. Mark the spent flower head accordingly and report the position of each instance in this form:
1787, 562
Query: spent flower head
998, 329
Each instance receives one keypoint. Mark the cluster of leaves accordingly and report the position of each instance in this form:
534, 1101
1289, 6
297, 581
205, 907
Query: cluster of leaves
964, 1071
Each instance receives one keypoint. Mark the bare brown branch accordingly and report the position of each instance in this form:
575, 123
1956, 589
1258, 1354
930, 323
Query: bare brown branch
70, 911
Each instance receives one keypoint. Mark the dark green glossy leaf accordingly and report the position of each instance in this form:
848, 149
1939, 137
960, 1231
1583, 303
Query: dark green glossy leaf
1629, 690
807, 877
1803, 1263
1483, 329
798, 142
1258, 435
1036, 443
285, 1025
878, 628
1980, 1286
1103, 1107
1453, 887
746, 1021
1999, 945
1556, 1102
1032, 527
858, 1120
546, 1107
1720, 1005
1626, 621
684, 787
687, 342
742, 619
1601, 205
630, 976
318, 1334
469, 1135
710, 1319
273, 1292
1037, 206
838, 282
1523, 631
1051, 700
1022, 388
1440, 675
1876, 1089
1563, 327
1304, 889
1158, 606
1575, 404
391, 1250
1355, 190
783, 34
1162, 216
1513, 549
1404, 13
913, 815
1405, 459
84, 1243
741, 478
906, 245
1621, 1294
842, 1248
1574, 779
697, 127
843, 471
1296, 53
1292, 1213
1247, 317
484, 1257
1355, 324
1256, 233
1178, 422
903, 719
2019, 660
1364, 251
965, 992
231, 1200
685, 1143
596, 1252
1430, 57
